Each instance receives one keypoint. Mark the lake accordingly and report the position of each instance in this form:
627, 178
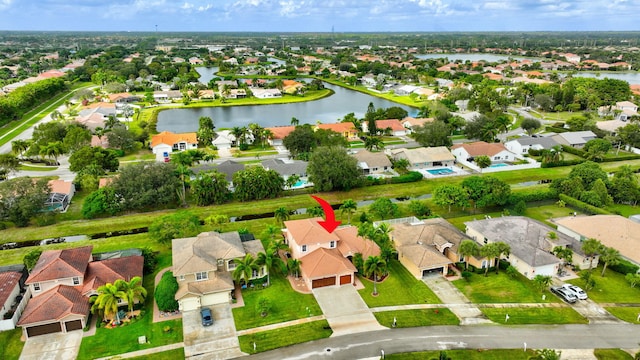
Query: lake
326, 110
207, 73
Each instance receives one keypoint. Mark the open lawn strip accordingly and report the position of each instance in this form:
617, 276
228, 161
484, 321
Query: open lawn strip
11, 344
613, 288
501, 288
475, 354
612, 354
286, 305
255, 153
175, 354
626, 313
123, 339
534, 315
36, 168
290, 335
399, 288
417, 317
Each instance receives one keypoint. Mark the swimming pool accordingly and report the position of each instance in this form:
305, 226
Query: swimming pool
440, 171
498, 165
300, 183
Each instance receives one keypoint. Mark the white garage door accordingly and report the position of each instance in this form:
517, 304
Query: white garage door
190, 303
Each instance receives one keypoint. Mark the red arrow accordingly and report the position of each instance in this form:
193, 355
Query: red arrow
330, 222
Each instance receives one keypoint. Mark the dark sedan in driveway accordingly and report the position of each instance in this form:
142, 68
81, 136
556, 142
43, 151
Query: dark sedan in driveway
207, 317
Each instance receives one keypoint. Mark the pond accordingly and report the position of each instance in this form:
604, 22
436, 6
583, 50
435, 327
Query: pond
326, 110
207, 73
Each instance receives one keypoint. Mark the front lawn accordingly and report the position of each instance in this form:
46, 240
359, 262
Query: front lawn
11, 344
418, 317
399, 288
286, 305
498, 354
290, 335
611, 354
545, 315
175, 354
501, 288
628, 314
612, 288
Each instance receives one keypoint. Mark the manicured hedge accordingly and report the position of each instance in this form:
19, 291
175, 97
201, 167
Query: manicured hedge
532, 195
555, 129
411, 176
624, 267
582, 206
562, 163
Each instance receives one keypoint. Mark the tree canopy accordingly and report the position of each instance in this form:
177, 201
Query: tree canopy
255, 183
331, 168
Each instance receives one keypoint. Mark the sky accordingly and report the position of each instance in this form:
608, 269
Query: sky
320, 15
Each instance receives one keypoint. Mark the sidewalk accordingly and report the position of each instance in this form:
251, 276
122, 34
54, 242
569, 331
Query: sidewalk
452, 298
280, 325
145, 352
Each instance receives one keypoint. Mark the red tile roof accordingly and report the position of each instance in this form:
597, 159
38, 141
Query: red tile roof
394, 124
280, 132
8, 282
169, 138
325, 262
61, 186
60, 264
339, 127
350, 243
110, 270
308, 231
55, 304
481, 148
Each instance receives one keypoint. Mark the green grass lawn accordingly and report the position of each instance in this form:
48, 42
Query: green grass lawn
11, 344
138, 155
501, 288
36, 168
399, 288
273, 339
418, 317
628, 314
107, 342
286, 305
258, 153
519, 316
612, 354
612, 288
501, 354
176, 354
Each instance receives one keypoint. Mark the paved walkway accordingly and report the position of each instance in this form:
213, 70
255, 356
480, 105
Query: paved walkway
280, 325
145, 352
468, 313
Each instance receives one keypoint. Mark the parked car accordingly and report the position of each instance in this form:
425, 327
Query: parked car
564, 294
207, 318
577, 291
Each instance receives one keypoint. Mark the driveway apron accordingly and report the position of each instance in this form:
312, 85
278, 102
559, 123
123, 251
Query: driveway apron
468, 313
58, 346
218, 341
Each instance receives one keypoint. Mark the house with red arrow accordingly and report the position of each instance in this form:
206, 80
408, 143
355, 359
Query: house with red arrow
326, 257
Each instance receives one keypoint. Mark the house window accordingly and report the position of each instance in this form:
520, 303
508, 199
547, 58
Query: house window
202, 276
76, 281
304, 248
181, 277
332, 244
254, 273
484, 264
182, 146
496, 158
231, 265
36, 286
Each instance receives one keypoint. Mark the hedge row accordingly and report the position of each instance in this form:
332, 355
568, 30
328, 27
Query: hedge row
582, 206
562, 163
624, 267
555, 129
411, 176
532, 195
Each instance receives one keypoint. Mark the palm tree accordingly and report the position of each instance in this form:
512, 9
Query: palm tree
270, 232
490, 251
183, 171
111, 122
18, 147
55, 115
468, 248
239, 133
281, 215
266, 135
374, 266
52, 150
542, 281
244, 268
504, 249
295, 121
315, 211
294, 267
373, 143
271, 260
591, 247
107, 300
349, 207
609, 256
132, 289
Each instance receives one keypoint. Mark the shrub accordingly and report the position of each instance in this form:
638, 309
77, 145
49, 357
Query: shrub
150, 260
584, 207
466, 275
624, 267
512, 272
520, 208
166, 291
411, 176
530, 196
562, 163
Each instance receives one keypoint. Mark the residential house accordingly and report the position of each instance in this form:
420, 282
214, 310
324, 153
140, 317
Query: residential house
266, 93
204, 265
530, 241
227, 167
424, 158
411, 123
61, 283
613, 231
12, 295
167, 96
495, 151
224, 140
62, 192
392, 126
372, 162
627, 109
406, 89
95, 115
428, 246
291, 86
100, 141
523, 144
611, 126
369, 80
346, 129
326, 257
576, 139
166, 142
286, 167
279, 133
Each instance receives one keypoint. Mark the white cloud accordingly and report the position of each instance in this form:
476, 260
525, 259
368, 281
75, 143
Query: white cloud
205, 8
5, 3
187, 6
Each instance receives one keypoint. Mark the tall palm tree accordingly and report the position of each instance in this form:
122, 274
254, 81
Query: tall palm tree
609, 256
239, 133
490, 251
591, 247
349, 207
295, 121
376, 266
266, 135
468, 248
244, 268
315, 211
271, 260
373, 143
132, 289
281, 215
52, 150
18, 147
294, 266
270, 232
107, 300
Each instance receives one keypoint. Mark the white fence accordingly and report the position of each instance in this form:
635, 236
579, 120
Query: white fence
10, 324
531, 165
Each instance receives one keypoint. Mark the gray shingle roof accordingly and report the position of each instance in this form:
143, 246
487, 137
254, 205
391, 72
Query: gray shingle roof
545, 142
286, 167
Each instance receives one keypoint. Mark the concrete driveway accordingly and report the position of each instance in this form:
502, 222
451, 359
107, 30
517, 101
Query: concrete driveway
218, 341
62, 346
345, 310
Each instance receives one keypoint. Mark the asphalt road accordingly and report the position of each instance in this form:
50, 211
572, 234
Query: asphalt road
363, 345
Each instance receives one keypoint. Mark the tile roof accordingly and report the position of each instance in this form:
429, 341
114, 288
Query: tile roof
8, 282
394, 124
412, 122
200, 253
55, 304
308, 231
422, 154
59, 264
481, 148
110, 270
325, 262
221, 282
339, 127
61, 186
280, 132
169, 138
350, 243
371, 159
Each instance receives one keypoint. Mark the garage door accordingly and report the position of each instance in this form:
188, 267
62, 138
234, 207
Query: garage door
323, 282
73, 325
43, 329
432, 272
345, 279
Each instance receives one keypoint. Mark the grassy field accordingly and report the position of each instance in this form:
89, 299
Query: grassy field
36, 168
11, 344
419, 317
628, 314
511, 354
612, 354
273, 339
286, 305
546, 315
399, 288
501, 288
613, 288
177, 354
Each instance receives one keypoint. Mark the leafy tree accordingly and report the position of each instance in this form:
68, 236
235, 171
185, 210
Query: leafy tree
256, 183
8, 164
205, 132
174, 226
121, 138
384, 208
490, 251
22, 198
600, 190
107, 300
370, 117
165, 292
541, 282
49, 132
281, 215
142, 185
85, 156
395, 112
244, 268
263, 306
103, 201
349, 207
77, 136
609, 256
132, 289
530, 125
300, 141
419, 208
482, 128
271, 260
483, 161
210, 188
468, 248
435, 133
624, 186
591, 247
31, 259
450, 194
150, 260
520, 207
486, 190
331, 168
597, 145
374, 266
